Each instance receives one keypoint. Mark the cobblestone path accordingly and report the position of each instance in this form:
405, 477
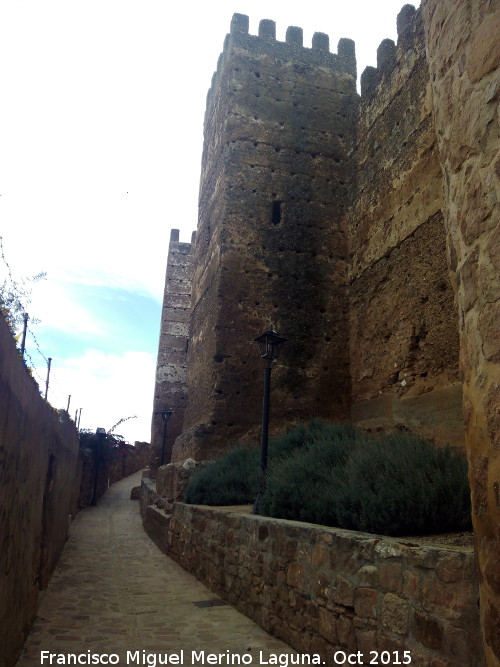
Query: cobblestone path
114, 592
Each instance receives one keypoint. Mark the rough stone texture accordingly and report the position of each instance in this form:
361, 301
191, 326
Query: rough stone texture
436, 415
463, 56
38, 454
403, 321
170, 384
135, 493
172, 479
127, 460
271, 246
298, 229
326, 216
148, 495
112, 467
308, 584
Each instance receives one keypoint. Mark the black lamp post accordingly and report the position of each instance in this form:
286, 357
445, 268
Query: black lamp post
165, 414
269, 344
101, 436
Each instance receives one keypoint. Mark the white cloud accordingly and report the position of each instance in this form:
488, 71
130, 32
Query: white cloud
53, 304
101, 140
108, 388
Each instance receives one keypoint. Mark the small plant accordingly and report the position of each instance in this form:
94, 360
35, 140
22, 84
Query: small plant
398, 484
91, 441
296, 437
402, 485
296, 482
234, 478
230, 480
337, 475
15, 294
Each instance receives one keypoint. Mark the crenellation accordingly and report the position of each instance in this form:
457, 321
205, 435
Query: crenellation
405, 22
369, 82
280, 115
287, 152
294, 36
346, 50
372, 76
240, 24
267, 29
386, 56
321, 41
267, 47
170, 382
393, 61
404, 351
293, 46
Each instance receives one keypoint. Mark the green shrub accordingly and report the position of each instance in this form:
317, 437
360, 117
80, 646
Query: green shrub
402, 485
336, 475
229, 480
301, 435
234, 478
295, 481
394, 485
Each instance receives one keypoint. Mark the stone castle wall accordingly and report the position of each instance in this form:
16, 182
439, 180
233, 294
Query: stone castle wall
403, 320
271, 246
171, 383
464, 57
398, 272
320, 214
38, 455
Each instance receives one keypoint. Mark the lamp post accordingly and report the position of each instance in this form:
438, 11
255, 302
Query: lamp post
269, 345
165, 414
101, 436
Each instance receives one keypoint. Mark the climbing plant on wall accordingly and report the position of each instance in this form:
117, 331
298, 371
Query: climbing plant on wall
15, 293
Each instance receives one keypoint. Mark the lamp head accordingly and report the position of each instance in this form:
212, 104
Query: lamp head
270, 344
166, 414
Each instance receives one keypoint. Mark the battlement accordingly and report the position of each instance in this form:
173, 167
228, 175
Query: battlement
292, 49
174, 238
408, 24
344, 59
267, 30
319, 53
335, 220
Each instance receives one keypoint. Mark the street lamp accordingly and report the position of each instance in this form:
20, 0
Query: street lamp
100, 437
165, 414
269, 345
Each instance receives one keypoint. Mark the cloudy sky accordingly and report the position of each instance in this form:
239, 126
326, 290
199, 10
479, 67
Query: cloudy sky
100, 148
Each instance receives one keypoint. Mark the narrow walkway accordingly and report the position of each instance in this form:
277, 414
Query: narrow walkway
113, 591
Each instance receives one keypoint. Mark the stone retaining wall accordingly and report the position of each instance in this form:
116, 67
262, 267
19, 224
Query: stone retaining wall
324, 590
116, 465
38, 456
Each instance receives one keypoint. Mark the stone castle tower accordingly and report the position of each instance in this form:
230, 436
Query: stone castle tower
271, 239
300, 228
366, 230
170, 386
